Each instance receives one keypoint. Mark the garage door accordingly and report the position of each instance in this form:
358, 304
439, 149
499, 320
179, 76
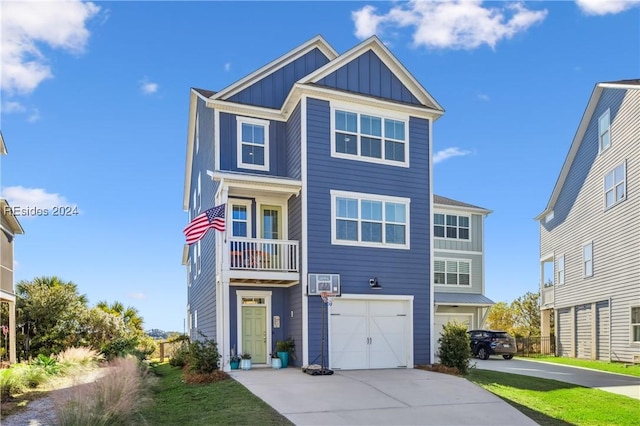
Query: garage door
583, 331
565, 338
442, 319
602, 332
367, 334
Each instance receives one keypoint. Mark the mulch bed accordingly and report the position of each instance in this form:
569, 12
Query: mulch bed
203, 378
439, 368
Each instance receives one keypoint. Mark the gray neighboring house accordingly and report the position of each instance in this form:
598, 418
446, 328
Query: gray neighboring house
458, 270
590, 233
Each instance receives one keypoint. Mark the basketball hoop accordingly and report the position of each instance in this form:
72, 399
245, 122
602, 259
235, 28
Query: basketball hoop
327, 297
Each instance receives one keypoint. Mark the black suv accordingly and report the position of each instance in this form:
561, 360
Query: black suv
485, 343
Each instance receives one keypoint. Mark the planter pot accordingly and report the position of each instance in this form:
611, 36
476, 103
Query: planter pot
276, 363
245, 364
284, 356
234, 365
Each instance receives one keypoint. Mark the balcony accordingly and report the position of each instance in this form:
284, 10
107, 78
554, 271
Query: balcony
262, 261
547, 297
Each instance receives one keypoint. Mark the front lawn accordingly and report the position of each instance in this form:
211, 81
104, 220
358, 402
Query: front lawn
611, 367
549, 402
221, 403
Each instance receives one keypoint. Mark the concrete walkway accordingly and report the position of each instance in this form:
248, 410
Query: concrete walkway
378, 397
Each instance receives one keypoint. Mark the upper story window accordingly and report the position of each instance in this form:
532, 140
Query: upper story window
452, 272
561, 269
253, 143
199, 199
587, 259
635, 324
451, 226
615, 186
604, 131
240, 220
197, 132
370, 137
369, 220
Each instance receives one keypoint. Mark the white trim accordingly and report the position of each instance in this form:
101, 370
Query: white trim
193, 105
197, 136
445, 259
453, 251
563, 270
383, 115
255, 182
431, 246
615, 186
266, 295
199, 198
549, 217
239, 143
244, 203
304, 267
5, 296
458, 215
631, 324
359, 196
584, 260
601, 131
216, 139
284, 209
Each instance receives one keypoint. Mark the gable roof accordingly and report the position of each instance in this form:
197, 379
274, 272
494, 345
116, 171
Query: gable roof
12, 221
317, 42
204, 92
633, 84
449, 202
374, 44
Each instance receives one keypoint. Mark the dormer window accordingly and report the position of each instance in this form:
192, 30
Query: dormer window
253, 144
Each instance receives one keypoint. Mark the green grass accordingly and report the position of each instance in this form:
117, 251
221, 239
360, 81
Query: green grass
220, 403
611, 367
549, 402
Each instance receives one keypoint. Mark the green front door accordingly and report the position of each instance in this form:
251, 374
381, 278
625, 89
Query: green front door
254, 333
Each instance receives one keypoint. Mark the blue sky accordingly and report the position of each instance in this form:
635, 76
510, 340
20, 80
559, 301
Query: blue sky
95, 100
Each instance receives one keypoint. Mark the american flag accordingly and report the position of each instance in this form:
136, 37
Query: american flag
212, 218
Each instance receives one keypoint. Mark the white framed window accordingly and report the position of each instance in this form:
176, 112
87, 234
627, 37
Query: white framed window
615, 185
451, 226
198, 260
635, 324
549, 217
604, 131
587, 259
253, 143
199, 199
189, 323
189, 273
452, 272
193, 202
372, 135
369, 220
560, 270
197, 132
195, 319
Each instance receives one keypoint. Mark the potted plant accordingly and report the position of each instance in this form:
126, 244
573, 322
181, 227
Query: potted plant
234, 360
285, 348
276, 362
245, 361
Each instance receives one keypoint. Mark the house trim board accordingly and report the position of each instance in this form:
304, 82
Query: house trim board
431, 244
240, 294
304, 266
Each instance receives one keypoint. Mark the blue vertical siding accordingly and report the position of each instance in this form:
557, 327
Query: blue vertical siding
401, 272
272, 90
201, 295
368, 75
293, 158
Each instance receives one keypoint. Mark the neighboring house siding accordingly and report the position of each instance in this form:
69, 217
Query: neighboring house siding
229, 144
272, 90
401, 272
295, 292
293, 144
6, 260
368, 75
580, 217
462, 245
476, 272
201, 293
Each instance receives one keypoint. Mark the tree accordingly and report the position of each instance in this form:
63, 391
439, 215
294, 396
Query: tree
131, 319
50, 315
527, 314
501, 317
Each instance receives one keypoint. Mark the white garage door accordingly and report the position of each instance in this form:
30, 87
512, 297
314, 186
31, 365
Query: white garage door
367, 334
442, 319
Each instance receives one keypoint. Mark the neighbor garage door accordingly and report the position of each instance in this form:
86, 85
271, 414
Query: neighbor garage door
367, 334
442, 319
565, 337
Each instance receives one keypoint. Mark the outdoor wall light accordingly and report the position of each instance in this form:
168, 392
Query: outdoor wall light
373, 282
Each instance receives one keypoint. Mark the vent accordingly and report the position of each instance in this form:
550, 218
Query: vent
636, 359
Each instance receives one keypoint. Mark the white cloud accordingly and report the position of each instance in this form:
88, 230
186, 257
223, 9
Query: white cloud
483, 97
455, 24
603, 7
11, 107
447, 153
148, 87
137, 296
34, 115
21, 197
227, 66
27, 26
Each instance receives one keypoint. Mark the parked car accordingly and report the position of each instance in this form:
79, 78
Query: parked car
485, 343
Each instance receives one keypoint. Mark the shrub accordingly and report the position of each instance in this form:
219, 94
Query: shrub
11, 382
115, 399
180, 356
455, 350
48, 364
204, 357
81, 356
119, 347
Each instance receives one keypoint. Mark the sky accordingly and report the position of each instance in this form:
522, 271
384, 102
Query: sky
95, 99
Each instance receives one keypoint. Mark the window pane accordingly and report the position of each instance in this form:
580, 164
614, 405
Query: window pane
438, 278
395, 234
587, 251
619, 173
371, 210
438, 231
394, 129
452, 220
346, 121
452, 266
605, 140
463, 234
452, 279
452, 232
247, 133
252, 154
394, 151
239, 212
258, 135
463, 221
239, 229
608, 181
347, 208
346, 143
609, 198
635, 315
619, 192
370, 147
438, 265
464, 279
588, 268
370, 125
438, 219
636, 333
464, 267
372, 232
395, 212
347, 230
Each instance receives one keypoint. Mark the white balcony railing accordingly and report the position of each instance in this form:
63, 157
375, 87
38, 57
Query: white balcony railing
263, 255
547, 296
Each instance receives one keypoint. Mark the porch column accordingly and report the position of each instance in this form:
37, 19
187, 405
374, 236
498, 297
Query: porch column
12, 332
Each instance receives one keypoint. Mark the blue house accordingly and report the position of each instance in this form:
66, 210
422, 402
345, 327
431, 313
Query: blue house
323, 161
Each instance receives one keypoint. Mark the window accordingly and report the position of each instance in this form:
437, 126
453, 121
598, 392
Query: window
195, 319
587, 259
635, 324
239, 220
452, 272
369, 137
198, 262
253, 143
199, 199
451, 226
615, 186
561, 269
197, 132
604, 134
193, 201
188, 273
369, 220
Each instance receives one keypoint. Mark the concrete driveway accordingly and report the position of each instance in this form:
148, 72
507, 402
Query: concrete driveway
378, 397
610, 382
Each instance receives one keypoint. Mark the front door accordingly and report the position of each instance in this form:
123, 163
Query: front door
271, 229
254, 333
